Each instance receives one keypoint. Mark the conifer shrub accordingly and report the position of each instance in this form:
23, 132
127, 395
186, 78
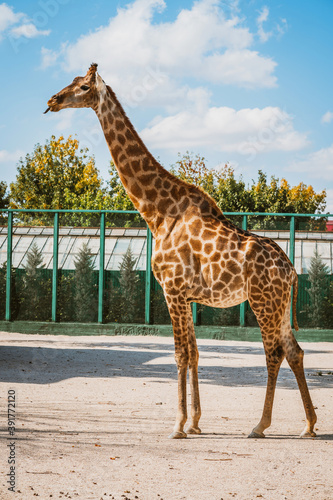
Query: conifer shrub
14, 299
113, 301
85, 288
129, 282
160, 311
328, 308
318, 291
36, 294
66, 305
226, 317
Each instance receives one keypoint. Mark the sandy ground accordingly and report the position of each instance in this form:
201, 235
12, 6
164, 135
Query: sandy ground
93, 415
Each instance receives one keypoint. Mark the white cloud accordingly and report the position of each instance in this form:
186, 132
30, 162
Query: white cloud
17, 24
263, 16
278, 30
318, 163
8, 17
281, 27
246, 131
28, 30
9, 157
329, 199
202, 43
327, 117
49, 57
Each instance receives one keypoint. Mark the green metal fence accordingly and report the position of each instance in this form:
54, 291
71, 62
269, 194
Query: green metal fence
242, 216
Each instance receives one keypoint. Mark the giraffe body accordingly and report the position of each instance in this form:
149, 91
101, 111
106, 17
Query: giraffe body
199, 256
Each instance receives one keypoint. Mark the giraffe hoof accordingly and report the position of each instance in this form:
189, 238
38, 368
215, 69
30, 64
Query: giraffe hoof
308, 434
178, 435
256, 435
193, 430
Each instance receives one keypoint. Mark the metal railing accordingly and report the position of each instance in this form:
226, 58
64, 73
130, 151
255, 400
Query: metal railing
101, 278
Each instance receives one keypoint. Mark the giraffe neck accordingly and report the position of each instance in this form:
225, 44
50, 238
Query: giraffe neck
142, 176
155, 192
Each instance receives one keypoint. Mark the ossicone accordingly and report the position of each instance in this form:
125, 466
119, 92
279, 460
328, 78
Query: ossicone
93, 68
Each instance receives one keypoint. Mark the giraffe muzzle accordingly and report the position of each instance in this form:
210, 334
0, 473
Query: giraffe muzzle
51, 103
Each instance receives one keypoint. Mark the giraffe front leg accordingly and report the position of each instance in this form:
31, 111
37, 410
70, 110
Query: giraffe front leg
193, 427
178, 313
294, 355
178, 430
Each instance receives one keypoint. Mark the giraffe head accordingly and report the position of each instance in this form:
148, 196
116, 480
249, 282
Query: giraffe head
83, 92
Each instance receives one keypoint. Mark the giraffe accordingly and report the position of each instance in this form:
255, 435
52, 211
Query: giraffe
199, 256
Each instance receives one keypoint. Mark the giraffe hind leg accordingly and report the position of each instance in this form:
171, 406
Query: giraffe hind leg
294, 355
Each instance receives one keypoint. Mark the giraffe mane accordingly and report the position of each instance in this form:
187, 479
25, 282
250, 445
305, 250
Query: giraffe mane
190, 187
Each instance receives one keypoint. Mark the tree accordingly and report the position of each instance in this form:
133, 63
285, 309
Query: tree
328, 308
119, 200
4, 201
318, 291
193, 170
278, 197
232, 194
36, 293
57, 175
85, 299
129, 287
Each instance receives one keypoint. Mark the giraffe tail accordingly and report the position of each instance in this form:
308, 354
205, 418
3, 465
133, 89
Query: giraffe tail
295, 292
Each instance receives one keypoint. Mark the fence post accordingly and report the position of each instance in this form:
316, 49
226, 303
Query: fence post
55, 266
195, 313
148, 277
9, 266
292, 240
292, 260
243, 306
101, 268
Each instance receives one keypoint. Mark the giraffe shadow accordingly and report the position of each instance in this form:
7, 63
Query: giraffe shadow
229, 435
51, 363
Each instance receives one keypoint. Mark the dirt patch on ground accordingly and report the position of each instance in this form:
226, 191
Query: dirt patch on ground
93, 415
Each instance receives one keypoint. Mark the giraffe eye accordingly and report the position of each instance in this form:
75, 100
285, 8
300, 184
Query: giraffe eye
85, 87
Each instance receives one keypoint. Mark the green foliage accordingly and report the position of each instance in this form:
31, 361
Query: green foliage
278, 197
35, 303
124, 298
113, 303
14, 297
232, 194
60, 175
318, 291
4, 201
129, 287
57, 175
226, 317
328, 308
85, 289
160, 313
193, 170
119, 200
65, 305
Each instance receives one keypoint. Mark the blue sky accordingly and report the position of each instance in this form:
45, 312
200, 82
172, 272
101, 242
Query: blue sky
245, 82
